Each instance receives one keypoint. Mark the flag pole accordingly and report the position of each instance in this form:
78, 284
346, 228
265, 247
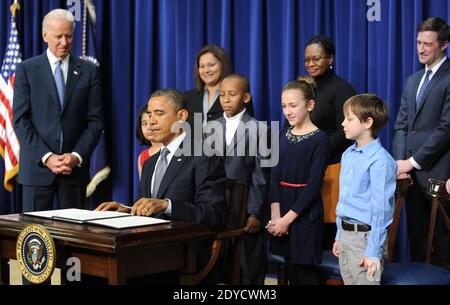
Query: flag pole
14, 7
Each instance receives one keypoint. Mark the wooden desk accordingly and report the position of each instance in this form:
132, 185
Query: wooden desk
110, 253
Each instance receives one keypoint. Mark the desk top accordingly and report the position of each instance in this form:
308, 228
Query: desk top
106, 239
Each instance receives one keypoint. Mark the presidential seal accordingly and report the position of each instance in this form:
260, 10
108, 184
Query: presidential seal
36, 255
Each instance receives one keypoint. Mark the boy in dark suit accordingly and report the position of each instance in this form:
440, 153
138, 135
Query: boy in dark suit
238, 140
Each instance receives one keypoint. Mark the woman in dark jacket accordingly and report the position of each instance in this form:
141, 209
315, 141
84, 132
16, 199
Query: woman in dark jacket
211, 66
332, 92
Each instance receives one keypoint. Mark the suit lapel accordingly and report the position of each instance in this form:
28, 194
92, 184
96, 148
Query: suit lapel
174, 166
73, 75
47, 77
148, 174
441, 72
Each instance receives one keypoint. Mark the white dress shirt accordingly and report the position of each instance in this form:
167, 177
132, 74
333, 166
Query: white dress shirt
232, 125
172, 147
53, 60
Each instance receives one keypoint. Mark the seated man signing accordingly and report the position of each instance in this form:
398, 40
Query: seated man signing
175, 184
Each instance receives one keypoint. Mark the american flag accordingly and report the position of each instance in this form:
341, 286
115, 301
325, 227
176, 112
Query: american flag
9, 144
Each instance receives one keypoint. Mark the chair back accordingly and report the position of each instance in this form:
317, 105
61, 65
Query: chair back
402, 187
235, 215
330, 192
227, 243
436, 189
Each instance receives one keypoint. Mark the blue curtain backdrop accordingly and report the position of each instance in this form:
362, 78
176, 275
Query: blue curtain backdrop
144, 45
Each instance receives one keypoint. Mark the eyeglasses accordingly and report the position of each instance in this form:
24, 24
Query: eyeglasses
315, 60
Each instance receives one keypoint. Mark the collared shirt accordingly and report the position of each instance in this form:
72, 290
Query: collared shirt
433, 72
232, 125
206, 105
367, 192
53, 60
172, 147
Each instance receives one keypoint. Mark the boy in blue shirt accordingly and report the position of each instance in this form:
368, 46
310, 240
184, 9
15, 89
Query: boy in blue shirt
366, 196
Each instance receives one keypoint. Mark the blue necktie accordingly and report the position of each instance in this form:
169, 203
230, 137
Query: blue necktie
61, 88
422, 90
160, 170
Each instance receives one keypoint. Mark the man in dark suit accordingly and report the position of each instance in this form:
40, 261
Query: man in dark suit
174, 184
58, 119
422, 130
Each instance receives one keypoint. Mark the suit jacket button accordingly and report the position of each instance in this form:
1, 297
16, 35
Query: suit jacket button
413, 131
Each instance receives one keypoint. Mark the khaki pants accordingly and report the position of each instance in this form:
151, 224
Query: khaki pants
351, 249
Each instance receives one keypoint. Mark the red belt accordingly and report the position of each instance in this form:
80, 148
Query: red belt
295, 185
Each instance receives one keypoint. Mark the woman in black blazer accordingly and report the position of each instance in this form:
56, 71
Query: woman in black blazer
332, 92
211, 66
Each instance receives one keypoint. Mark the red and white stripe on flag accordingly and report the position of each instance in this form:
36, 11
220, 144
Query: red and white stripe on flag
9, 144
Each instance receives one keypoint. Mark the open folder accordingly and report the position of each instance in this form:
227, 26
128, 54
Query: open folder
117, 220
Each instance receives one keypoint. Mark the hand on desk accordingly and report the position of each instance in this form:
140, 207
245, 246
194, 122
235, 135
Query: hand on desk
113, 206
149, 206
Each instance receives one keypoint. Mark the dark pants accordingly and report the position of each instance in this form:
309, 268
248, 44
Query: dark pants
302, 274
41, 198
253, 258
418, 210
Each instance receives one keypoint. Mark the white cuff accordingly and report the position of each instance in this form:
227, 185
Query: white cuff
415, 164
78, 157
45, 157
168, 211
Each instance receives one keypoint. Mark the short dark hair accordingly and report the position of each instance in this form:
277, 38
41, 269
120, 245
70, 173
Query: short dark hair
438, 25
221, 56
244, 80
366, 106
324, 42
173, 95
139, 135
305, 84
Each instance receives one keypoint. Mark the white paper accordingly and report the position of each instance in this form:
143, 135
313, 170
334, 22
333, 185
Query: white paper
128, 222
77, 215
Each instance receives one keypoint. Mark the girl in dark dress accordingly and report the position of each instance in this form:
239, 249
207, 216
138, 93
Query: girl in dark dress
296, 204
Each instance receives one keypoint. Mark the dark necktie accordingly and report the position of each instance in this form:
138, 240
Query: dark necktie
422, 90
60, 87
160, 170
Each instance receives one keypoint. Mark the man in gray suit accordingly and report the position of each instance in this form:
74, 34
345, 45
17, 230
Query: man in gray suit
422, 130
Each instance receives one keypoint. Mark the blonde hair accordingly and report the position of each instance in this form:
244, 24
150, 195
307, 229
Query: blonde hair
60, 15
306, 85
